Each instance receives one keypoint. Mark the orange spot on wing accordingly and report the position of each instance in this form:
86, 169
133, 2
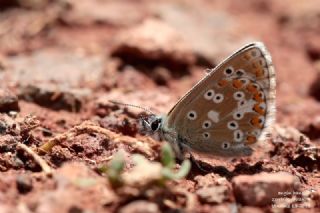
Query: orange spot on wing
252, 89
259, 73
223, 83
251, 139
237, 83
257, 97
256, 65
255, 121
247, 57
258, 109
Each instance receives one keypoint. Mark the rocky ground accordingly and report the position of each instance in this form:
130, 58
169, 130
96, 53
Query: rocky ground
61, 61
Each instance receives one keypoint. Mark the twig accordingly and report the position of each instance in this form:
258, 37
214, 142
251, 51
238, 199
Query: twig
88, 128
42, 163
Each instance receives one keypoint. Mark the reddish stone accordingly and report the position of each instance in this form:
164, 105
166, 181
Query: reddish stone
260, 189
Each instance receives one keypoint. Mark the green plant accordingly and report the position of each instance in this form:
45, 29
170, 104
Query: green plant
145, 171
114, 169
168, 162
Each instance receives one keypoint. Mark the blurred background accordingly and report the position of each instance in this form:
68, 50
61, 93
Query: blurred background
89, 48
62, 60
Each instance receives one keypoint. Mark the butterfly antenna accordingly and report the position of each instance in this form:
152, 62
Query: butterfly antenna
131, 105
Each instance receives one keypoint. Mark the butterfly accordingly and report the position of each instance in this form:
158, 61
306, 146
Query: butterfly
225, 112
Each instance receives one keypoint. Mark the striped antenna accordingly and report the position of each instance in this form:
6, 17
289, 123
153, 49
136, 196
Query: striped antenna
131, 105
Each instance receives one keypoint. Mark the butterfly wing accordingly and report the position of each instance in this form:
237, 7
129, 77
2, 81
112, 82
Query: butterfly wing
231, 107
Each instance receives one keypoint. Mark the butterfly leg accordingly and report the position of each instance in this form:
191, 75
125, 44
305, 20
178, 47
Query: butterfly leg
215, 169
186, 153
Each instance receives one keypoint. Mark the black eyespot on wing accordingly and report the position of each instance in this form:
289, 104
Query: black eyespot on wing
228, 71
240, 73
192, 115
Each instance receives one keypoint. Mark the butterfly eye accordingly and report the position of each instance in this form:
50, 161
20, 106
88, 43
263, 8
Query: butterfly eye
192, 115
206, 124
228, 71
218, 98
238, 95
209, 94
225, 145
233, 125
155, 125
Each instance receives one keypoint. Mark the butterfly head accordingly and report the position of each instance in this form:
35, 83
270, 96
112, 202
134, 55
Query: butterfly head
150, 124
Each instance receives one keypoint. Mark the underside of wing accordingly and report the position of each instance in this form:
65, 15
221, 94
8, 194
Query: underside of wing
231, 107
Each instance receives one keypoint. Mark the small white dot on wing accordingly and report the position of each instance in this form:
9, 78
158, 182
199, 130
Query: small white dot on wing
206, 124
228, 71
233, 125
192, 115
214, 116
218, 98
239, 95
238, 135
238, 115
225, 145
206, 135
209, 94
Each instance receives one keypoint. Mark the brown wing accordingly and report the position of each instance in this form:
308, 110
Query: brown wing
231, 107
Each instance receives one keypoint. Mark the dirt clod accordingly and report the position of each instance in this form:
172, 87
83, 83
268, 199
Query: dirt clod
141, 43
261, 189
24, 184
140, 206
214, 194
8, 101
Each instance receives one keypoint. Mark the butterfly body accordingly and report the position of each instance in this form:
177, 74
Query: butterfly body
225, 112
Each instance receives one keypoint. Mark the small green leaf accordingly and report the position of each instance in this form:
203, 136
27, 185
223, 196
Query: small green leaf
183, 171
102, 169
117, 162
115, 168
167, 156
